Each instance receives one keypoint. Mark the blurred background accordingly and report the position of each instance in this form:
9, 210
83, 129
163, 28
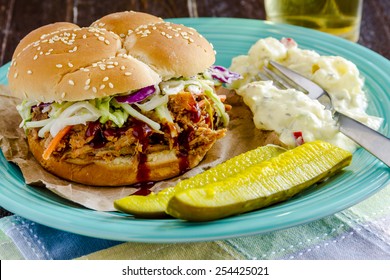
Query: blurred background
18, 17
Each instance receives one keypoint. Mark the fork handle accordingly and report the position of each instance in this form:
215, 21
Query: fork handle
371, 140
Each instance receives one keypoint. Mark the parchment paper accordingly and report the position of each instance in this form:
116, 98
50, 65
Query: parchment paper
241, 137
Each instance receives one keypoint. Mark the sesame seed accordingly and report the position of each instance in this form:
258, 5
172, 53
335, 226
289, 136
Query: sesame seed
107, 42
122, 35
87, 82
84, 36
70, 64
110, 66
105, 79
36, 57
94, 89
102, 86
101, 38
59, 65
110, 85
63, 94
127, 73
123, 67
86, 87
29, 72
71, 82
16, 75
39, 48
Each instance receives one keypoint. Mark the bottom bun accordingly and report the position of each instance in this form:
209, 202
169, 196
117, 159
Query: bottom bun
122, 170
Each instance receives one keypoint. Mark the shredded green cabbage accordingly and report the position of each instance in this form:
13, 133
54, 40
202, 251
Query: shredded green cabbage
156, 101
24, 110
164, 114
70, 114
109, 112
134, 113
220, 107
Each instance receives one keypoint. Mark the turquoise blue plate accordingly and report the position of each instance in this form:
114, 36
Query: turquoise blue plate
230, 37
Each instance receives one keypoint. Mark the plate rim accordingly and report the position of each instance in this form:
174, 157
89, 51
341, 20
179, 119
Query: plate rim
95, 231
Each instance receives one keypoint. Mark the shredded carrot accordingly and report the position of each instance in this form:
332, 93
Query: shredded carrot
222, 97
201, 103
53, 143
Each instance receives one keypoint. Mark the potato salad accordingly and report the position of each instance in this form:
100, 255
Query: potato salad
291, 113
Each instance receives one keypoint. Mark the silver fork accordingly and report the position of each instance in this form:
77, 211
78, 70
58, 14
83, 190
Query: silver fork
371, 140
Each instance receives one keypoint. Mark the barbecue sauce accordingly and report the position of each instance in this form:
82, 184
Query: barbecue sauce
95, 129
142, 131
184, 140
195, 113
144, 188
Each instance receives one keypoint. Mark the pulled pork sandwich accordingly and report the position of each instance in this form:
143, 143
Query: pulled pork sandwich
130, 99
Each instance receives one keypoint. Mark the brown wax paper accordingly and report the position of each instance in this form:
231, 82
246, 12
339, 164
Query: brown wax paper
240, 137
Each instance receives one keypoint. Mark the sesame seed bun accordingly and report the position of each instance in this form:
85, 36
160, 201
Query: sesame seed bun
172, 50
36, 34
117, 54
121, 22
72, 65
63, 62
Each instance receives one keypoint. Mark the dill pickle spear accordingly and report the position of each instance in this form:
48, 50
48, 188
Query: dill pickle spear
261, 185
154, 205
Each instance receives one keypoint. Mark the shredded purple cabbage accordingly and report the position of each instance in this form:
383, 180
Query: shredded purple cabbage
41, 105
137, 96
223, 75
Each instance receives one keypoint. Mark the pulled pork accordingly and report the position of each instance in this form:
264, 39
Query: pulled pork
194, 126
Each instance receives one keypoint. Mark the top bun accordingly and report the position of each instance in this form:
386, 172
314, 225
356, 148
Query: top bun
119, 53
120, 23
172, 50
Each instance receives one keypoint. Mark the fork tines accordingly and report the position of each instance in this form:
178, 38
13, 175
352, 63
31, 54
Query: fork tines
281, 81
